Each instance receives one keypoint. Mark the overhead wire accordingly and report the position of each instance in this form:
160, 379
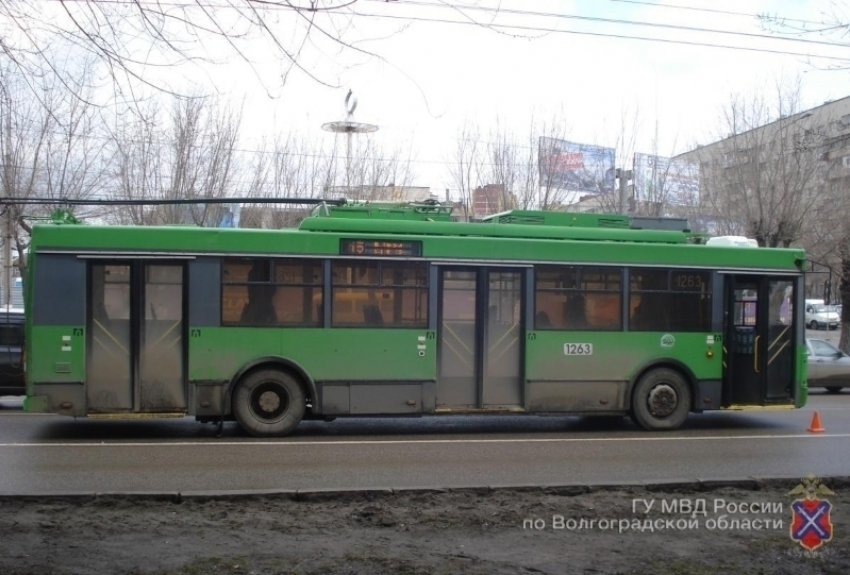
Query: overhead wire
345, 9
502, 10
525, 28
713, 11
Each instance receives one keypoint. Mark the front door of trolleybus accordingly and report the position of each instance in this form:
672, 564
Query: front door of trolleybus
480, 338
760, 341
135, 337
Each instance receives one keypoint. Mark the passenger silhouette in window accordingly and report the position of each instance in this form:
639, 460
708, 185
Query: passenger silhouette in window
372, 315
574, 312
542, 321
259, 310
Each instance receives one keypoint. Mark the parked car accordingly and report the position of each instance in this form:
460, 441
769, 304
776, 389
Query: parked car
12, 351
820, 315
829, 367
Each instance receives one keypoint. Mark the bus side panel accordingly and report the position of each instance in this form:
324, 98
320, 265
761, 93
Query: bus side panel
56, 352
351, 363
58, 373
591, 370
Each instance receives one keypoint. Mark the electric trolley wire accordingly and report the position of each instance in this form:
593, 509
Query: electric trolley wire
715, 11
345, 10
609, 35
662, 25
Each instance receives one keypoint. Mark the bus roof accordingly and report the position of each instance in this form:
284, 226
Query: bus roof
508, 238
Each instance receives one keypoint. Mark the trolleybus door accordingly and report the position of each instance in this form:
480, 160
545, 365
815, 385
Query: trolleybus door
136, 345
760, 340
479, 338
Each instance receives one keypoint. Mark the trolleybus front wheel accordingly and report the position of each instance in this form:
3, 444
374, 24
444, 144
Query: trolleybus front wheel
661, 400
268, 402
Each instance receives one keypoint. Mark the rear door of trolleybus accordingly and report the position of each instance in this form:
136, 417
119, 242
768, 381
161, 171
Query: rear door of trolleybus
136, 341
761, 339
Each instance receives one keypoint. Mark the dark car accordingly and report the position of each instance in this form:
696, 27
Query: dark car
829, 367
12, 351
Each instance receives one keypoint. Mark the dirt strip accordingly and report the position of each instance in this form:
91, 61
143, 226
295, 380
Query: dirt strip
567, 529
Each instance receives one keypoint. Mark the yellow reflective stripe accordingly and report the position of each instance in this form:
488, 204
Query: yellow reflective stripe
112, 337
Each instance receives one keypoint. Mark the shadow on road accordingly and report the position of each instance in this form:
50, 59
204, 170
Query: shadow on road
376, 429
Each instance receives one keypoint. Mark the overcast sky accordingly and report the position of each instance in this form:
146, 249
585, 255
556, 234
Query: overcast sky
428, 75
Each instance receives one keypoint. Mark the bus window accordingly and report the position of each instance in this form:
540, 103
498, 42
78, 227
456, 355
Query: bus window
669, 300
577, 298
391, 294
258, 292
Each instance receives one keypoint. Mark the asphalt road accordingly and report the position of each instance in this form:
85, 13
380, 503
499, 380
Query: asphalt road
48, 454
45, 453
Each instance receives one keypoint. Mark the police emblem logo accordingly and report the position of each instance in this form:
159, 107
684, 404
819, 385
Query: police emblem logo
811, 525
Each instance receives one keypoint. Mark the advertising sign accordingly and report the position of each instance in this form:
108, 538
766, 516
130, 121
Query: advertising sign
576, 167
658, 179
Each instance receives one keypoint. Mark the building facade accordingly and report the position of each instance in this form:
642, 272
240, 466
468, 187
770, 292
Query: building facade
777, 180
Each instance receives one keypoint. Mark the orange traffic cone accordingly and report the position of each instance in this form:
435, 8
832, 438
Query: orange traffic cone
816, 426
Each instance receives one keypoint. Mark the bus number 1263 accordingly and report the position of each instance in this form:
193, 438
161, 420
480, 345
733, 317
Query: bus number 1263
578, 349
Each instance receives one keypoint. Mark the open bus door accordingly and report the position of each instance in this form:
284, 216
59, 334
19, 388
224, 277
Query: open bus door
761, 337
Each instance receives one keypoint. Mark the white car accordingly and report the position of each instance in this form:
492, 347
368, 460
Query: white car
819, 315
828, 366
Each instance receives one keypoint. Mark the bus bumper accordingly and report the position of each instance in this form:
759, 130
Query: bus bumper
35, 403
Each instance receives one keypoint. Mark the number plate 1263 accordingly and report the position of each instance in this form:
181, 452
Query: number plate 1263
578, 349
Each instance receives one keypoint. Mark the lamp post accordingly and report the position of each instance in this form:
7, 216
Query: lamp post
349, 127
7, 192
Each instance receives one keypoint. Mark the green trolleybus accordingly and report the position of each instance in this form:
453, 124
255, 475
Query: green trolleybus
370, 309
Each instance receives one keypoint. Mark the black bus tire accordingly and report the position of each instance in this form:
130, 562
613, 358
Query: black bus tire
268, 403
834, 389
661, 400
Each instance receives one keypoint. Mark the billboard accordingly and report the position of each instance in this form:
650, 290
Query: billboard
576, 167
658, 179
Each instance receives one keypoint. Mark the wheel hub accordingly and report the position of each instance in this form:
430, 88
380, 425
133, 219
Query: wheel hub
662, 400
269, 401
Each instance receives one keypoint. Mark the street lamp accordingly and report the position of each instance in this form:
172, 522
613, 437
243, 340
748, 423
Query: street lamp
349, 127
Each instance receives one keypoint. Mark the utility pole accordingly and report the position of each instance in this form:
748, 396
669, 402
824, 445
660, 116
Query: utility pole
623, 177
7, 189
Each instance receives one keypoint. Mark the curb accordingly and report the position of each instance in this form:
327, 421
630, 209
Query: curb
324, 495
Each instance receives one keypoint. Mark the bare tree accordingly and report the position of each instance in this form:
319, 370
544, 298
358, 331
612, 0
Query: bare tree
51, 148
195, 157
130, 39
505, 168
513, 169
466, 165
763, 177
290, 166
375, 172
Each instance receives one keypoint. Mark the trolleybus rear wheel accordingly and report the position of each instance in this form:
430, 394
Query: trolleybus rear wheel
661, 400
834, 389
268, 402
